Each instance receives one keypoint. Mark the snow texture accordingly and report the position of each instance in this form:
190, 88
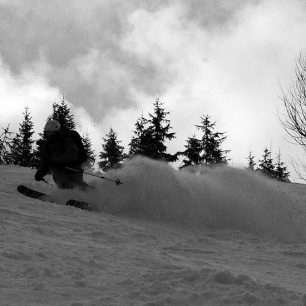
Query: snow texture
214, 237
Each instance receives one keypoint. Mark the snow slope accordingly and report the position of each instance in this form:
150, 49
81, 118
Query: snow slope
220, 237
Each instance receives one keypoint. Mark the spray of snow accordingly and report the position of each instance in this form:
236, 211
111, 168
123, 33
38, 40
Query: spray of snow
217, 198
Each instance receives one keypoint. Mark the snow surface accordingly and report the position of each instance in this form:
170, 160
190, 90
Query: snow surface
223, 236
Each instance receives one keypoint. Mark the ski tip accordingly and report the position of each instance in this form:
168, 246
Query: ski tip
20, 187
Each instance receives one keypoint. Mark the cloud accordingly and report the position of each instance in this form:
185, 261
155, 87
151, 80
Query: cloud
81, 46
84, 48
26, 90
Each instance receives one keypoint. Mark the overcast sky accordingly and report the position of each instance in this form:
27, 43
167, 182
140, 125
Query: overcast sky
112, 59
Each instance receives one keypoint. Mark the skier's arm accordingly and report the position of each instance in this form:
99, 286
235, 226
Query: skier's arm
42, 170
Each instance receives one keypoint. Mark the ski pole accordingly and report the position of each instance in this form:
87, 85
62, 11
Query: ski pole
117, 181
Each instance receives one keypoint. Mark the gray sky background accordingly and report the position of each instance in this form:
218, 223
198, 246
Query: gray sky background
112, 59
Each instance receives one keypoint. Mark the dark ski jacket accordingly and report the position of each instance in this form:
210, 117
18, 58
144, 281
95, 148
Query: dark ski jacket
58, 154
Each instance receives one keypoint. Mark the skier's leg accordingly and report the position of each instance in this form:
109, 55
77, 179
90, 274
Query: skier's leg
68, 180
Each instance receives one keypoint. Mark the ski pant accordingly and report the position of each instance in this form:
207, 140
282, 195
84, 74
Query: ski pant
67, 180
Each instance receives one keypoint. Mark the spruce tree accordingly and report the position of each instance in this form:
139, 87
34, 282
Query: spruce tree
22, 144
192, 152
251, 161
62, 113
142, 139
5, 145
160, 128
112, 152
207, 149
266, 164
280, 172
152, 133
211, 143
89, 151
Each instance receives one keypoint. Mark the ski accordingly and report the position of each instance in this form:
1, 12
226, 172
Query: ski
78, 204
29, 192
34, 194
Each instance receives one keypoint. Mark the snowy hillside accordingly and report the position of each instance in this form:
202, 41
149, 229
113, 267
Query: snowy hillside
221, 237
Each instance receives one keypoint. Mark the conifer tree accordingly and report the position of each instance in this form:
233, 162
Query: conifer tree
152, 133
141, 142
62, 113
22, 144
266, 164
251, 161
112, 154
281, 172
207, 149
160, 128
89, 151
192, 152
5, 145
211, 143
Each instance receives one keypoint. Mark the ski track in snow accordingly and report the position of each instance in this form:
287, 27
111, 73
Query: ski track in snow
221, 237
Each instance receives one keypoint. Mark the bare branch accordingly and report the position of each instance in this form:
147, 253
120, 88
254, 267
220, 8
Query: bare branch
295, 105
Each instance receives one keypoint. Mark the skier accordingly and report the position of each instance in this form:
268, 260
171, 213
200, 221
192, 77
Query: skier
62, 152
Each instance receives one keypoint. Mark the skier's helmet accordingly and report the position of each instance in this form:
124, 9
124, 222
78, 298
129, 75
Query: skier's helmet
52, 126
